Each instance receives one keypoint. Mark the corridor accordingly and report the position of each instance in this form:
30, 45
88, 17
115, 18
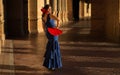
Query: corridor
82, 54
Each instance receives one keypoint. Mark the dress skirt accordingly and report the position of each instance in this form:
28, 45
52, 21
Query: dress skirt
52, 54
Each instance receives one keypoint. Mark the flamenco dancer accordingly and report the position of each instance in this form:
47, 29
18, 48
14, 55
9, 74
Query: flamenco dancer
52, 55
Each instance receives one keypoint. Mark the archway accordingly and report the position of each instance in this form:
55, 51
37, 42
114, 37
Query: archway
16, 18
81, 9
75, 4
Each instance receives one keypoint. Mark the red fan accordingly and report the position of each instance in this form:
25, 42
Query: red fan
54, 31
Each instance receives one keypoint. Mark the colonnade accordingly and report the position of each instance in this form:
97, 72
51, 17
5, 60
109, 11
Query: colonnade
102, 21
59, 8
84, 10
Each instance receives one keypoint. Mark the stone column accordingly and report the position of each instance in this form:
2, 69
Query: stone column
54, 7
87, 11
59, 10
32, 16
63, 11
81, 10
40, 4
70, 10
2, 35
89, 14
66, 11
47, 1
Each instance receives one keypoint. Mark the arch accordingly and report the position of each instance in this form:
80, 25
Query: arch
75, 4
15, 16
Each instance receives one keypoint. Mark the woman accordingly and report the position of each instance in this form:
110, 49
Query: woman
52, 54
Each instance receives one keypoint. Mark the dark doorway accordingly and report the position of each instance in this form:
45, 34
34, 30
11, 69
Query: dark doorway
75, 9
16, 18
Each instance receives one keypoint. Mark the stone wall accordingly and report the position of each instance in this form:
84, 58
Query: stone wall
98, 18
105, 19
112, 20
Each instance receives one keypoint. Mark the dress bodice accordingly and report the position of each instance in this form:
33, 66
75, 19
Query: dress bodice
50, 22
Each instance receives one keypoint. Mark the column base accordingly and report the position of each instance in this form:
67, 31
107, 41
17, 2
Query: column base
63, 17
55, 13
33, 32
2, 37
66, 17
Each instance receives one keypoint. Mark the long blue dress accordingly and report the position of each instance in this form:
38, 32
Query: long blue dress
52, 55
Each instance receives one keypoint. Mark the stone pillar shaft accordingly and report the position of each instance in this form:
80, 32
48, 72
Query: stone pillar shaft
2, 35
59, 10
32, 16
40, 4
47, 1
81, 10
63, 10
66, 11
70, 10
55, 7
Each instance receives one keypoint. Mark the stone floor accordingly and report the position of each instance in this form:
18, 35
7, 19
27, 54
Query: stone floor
82, 54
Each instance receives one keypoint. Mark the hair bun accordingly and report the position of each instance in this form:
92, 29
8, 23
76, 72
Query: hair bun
44, 10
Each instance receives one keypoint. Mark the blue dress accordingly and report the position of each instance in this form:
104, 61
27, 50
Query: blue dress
52, 55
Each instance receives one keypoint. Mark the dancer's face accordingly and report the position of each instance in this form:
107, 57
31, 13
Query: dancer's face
49, 10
